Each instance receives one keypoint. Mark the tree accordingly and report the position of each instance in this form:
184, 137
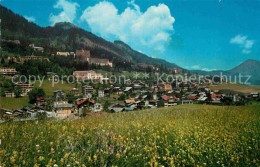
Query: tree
209, 98
160, 104
41, 116
122, 97
106, 105
36, 93
227, 100
71, 98
2, 61
85, 111
18, 91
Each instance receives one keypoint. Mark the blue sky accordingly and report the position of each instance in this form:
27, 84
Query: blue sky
195, 34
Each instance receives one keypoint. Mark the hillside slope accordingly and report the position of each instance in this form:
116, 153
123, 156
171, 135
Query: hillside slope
68, 37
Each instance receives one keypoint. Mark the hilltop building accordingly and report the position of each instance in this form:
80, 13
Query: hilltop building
41, 58
7, 71
36, 48
87, 75
65, 54
84, 56
26, 87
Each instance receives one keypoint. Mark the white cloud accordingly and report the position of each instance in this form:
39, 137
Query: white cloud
30, 18
246, 51
198, 67
67, 14
243, 42
195, 67
206, 69
149, 29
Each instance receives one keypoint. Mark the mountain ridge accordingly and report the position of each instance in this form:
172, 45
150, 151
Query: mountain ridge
65, 36
249, 67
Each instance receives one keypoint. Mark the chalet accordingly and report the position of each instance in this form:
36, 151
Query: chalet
137, 97
88, 75
143, 92
189, 93
62, 109
139, 104
155, 89
97, 107
130, 108
192, 97
128, 89
202, 99
82, 55
20, 113
187, 102
129, 102
35, 108
83, 103
169, 93
49, 114
41, 58
9, 94
101, 62
41, 101
74, 91
101, 93
165, 87
144, 97
216, 97
128, 82
155, 97
138, 85
36, 48
185, 88
7, 71
117, 90
169, 100
26, 87
153, 103
254, 95
107, 91
87, 90
58, 95
116, 107
236, 98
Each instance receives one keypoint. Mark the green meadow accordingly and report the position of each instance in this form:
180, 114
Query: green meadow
185, 135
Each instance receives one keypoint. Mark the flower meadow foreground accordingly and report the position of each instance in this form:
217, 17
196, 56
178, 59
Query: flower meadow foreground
188, 135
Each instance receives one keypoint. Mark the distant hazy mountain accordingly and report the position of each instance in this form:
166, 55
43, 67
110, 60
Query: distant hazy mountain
68, 37
249, 67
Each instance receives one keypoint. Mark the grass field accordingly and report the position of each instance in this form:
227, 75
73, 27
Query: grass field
14, 103
17, 103
236, 88
187, 135
49, 87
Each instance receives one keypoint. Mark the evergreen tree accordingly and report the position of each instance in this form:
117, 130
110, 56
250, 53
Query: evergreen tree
18, 91
36, 93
